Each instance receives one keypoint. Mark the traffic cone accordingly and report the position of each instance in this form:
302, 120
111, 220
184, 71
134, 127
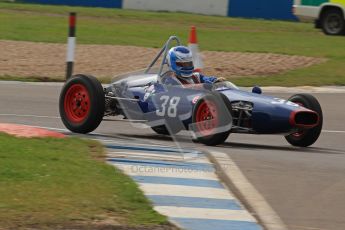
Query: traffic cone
194, 47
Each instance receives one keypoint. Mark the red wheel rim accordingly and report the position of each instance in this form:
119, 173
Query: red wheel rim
77, 103
207, 118
300, 133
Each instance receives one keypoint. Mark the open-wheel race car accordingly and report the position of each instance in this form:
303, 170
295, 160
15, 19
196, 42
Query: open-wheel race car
210, 111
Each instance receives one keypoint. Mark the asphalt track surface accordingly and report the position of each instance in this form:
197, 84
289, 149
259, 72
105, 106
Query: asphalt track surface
305, 187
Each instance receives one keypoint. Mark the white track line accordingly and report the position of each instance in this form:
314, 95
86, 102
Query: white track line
57, 117
28, 115
60, 84
333, 131
64, 130
302, 89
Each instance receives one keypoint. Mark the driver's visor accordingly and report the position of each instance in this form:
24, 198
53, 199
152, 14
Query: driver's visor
185, 64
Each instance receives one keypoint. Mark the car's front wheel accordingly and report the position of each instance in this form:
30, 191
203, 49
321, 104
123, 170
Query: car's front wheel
332, 22
82, 104
306, 137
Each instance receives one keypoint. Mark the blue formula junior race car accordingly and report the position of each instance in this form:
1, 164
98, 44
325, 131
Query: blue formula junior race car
210, 111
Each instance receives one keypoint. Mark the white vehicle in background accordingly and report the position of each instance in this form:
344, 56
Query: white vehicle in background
329, 15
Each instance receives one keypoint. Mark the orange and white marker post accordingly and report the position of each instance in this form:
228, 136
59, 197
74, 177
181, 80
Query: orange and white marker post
194, 47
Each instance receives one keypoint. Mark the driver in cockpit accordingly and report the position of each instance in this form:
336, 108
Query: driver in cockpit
180, 62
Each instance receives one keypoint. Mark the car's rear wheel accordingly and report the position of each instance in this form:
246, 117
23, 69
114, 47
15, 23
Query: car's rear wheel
82, 104
212, 119
306, 137
332, 22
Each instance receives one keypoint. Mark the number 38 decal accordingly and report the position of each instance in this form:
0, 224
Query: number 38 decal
168, 106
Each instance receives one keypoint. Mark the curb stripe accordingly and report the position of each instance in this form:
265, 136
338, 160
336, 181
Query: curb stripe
180, 190
161, 172
207, 224
194, 202
112, 146
155, 153
144, 156
155, 163
204, 213
140, 157
178, 181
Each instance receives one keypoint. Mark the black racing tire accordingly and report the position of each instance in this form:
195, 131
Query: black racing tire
222, 110
332, 22
306, 137
82, 103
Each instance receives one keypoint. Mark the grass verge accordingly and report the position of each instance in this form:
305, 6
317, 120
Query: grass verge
53, 183
31, 79
45, 23
329, 73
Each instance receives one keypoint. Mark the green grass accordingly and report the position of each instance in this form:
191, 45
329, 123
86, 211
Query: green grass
64, 182
150, 29
329, 73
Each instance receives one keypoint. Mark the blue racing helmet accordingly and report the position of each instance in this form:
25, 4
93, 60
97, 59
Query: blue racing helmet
180, 61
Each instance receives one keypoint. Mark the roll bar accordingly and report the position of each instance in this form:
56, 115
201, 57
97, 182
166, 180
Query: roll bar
163, 51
